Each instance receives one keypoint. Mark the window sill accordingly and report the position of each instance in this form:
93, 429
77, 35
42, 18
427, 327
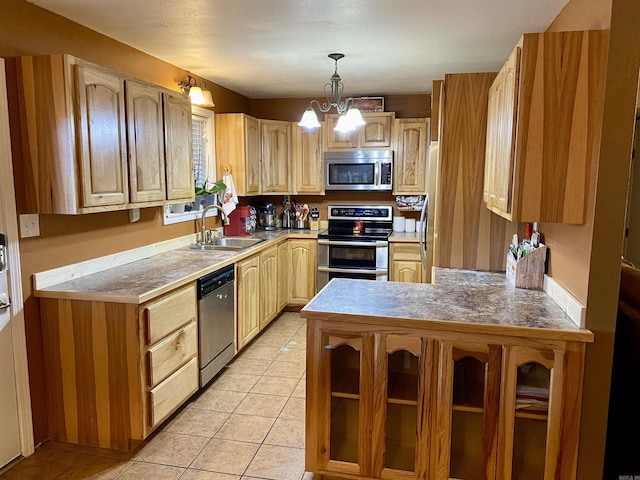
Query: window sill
171, 218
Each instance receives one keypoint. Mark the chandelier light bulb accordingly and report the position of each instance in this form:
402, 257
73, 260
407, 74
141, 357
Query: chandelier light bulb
309, 119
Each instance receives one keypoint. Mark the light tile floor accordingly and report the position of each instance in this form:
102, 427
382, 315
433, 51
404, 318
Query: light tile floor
246, 424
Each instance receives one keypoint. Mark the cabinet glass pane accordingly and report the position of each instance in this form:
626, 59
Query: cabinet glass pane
468, 382
402, 376
469, 377
345, 404
344, 429
402, 396
345, 370
400, 451
532, 402
466, 445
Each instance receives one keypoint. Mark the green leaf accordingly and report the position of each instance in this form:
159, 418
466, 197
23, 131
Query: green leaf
203, 190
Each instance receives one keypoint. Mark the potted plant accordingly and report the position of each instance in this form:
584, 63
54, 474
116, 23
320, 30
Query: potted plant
206, 193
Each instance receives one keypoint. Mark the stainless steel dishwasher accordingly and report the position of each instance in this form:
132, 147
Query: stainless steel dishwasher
215, 320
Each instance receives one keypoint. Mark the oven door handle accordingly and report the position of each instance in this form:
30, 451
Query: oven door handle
373, 243
377, 271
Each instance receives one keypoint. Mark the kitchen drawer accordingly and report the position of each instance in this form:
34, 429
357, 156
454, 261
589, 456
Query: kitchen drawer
170, 312
404, 251
169, 354
171, 393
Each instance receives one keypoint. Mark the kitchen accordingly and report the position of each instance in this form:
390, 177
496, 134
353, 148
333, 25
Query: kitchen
582, 274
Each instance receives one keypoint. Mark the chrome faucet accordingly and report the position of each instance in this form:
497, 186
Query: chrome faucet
225, 220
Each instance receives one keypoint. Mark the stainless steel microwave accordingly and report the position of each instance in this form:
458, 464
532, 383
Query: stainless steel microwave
359, 170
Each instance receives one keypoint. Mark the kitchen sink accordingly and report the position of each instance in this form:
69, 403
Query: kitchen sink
227, 243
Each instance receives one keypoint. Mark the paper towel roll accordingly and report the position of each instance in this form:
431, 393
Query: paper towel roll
398, 224
410, 225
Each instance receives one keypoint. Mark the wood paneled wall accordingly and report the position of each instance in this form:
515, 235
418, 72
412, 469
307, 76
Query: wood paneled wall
468, 235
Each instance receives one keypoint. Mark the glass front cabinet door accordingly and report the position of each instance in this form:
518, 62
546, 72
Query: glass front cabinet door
468, 406
371, 425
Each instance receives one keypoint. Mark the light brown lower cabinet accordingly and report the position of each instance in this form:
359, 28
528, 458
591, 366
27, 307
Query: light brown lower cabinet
302, 276
115, 371
248, 308
416, 404
405, 263
268, 285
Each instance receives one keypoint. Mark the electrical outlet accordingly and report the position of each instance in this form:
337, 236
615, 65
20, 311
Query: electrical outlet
29, 225
287, 199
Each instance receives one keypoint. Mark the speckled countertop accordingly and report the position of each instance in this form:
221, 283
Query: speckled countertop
142, 280
404, 237
458, 299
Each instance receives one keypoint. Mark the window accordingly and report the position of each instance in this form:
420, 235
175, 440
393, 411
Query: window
204, 164
202, 134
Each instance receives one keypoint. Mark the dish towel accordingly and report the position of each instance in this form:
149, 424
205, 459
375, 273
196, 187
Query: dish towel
229, 196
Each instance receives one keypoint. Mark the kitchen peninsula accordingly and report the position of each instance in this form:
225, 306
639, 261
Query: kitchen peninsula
465, 378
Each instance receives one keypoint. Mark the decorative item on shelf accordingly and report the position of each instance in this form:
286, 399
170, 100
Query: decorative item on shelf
197, 94
525, 264
410, 202
350, 117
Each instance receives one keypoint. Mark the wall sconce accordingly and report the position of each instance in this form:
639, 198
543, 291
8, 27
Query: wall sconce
197, 94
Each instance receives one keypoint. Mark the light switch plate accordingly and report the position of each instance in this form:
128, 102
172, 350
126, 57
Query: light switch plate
29, 225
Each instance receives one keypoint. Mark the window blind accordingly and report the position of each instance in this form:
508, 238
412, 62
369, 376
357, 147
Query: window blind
200, 160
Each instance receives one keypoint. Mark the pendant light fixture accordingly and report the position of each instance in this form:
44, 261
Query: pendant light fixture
350, 117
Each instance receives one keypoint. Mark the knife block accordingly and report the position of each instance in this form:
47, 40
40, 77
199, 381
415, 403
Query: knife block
528, 272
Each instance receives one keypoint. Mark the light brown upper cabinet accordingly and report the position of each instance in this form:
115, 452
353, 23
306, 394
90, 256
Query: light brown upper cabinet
73, 136
238, 146
92, 140
307, 159
178, 150
376, 133
543, 137
276, 156
410, 143
145, 142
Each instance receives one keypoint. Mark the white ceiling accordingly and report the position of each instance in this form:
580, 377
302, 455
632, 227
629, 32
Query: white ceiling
278, 48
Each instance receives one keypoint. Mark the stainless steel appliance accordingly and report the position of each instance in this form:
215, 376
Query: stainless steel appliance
215, 322
267, 217
356, 245
359, 170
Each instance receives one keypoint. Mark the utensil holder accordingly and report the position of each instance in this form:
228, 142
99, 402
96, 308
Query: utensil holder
528, 272
301, 223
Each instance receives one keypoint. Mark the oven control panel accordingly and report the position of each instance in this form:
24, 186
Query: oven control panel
359, 212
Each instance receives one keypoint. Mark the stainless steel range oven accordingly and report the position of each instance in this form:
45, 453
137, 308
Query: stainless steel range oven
356, 245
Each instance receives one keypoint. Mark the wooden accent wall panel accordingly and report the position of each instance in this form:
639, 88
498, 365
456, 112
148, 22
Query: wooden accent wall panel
92, 365
467, 234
